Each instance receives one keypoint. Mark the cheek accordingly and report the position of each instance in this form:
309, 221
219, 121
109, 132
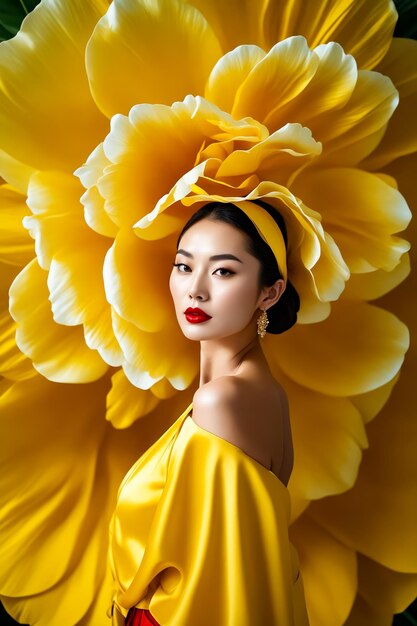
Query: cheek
235, 306
242, 293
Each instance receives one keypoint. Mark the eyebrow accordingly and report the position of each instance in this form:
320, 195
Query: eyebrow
216, 257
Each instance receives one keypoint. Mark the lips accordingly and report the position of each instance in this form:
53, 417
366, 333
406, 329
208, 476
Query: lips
196, 316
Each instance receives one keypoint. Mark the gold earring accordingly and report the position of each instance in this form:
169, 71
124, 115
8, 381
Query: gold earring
262, 322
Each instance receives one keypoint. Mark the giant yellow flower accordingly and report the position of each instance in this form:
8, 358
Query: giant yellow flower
117, 123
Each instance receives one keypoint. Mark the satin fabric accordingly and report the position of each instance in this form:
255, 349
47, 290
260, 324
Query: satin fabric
200, 536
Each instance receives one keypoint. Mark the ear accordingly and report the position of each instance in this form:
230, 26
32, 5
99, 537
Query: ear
270, 295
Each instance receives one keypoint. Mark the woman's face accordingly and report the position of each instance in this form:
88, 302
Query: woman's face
226, 289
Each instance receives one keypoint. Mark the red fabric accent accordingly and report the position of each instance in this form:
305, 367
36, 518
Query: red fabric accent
140, 617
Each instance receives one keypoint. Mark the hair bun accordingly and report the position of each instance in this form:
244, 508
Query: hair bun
283, 315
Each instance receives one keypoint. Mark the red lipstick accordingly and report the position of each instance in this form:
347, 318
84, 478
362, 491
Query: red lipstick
196, 316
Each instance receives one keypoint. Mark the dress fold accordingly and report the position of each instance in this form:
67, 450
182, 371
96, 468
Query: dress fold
200, 536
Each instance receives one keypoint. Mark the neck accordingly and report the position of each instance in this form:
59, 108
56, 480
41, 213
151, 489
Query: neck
223, 357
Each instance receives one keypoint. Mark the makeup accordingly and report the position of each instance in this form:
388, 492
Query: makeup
196, 316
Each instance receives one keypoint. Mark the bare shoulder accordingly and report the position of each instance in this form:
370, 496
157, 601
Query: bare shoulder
217, 402
250, 418
221, 408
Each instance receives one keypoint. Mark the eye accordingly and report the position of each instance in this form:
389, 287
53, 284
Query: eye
224, 269
179, 265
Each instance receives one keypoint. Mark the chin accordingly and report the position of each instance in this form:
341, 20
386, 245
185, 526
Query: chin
196, 336
202, 332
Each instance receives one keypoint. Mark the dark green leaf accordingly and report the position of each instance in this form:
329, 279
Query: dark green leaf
12, 13
405, 5
407, 19
4, 34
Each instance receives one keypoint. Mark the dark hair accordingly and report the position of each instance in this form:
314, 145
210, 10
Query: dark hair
283, 314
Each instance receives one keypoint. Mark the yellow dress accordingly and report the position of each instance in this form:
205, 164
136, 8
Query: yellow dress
199, 536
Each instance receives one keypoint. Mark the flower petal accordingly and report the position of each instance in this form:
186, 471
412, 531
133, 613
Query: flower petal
345, 109
94, 209
67, 511
234, 21
59, 353
328, 443
126, 403
47, 57
70, 281
376, 284
330, 86
136, 38
276, 158
147, 359
328, 569
350, 133
362, 614
361, 212
278, 78
390, 592
57, 216
229, 73
58, 225
363, 29
403, 170
95, 214
370, 404
140, 296
60, 502
377, 516
400, 138
361, 347
154, 150
15, 172
13, 363
16, 247
148, 151
64, 601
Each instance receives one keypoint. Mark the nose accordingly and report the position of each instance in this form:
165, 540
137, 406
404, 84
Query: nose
197, 289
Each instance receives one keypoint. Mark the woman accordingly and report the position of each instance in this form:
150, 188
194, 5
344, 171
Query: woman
200, 531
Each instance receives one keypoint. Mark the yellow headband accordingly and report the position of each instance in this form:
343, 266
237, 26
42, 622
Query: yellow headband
269, 231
